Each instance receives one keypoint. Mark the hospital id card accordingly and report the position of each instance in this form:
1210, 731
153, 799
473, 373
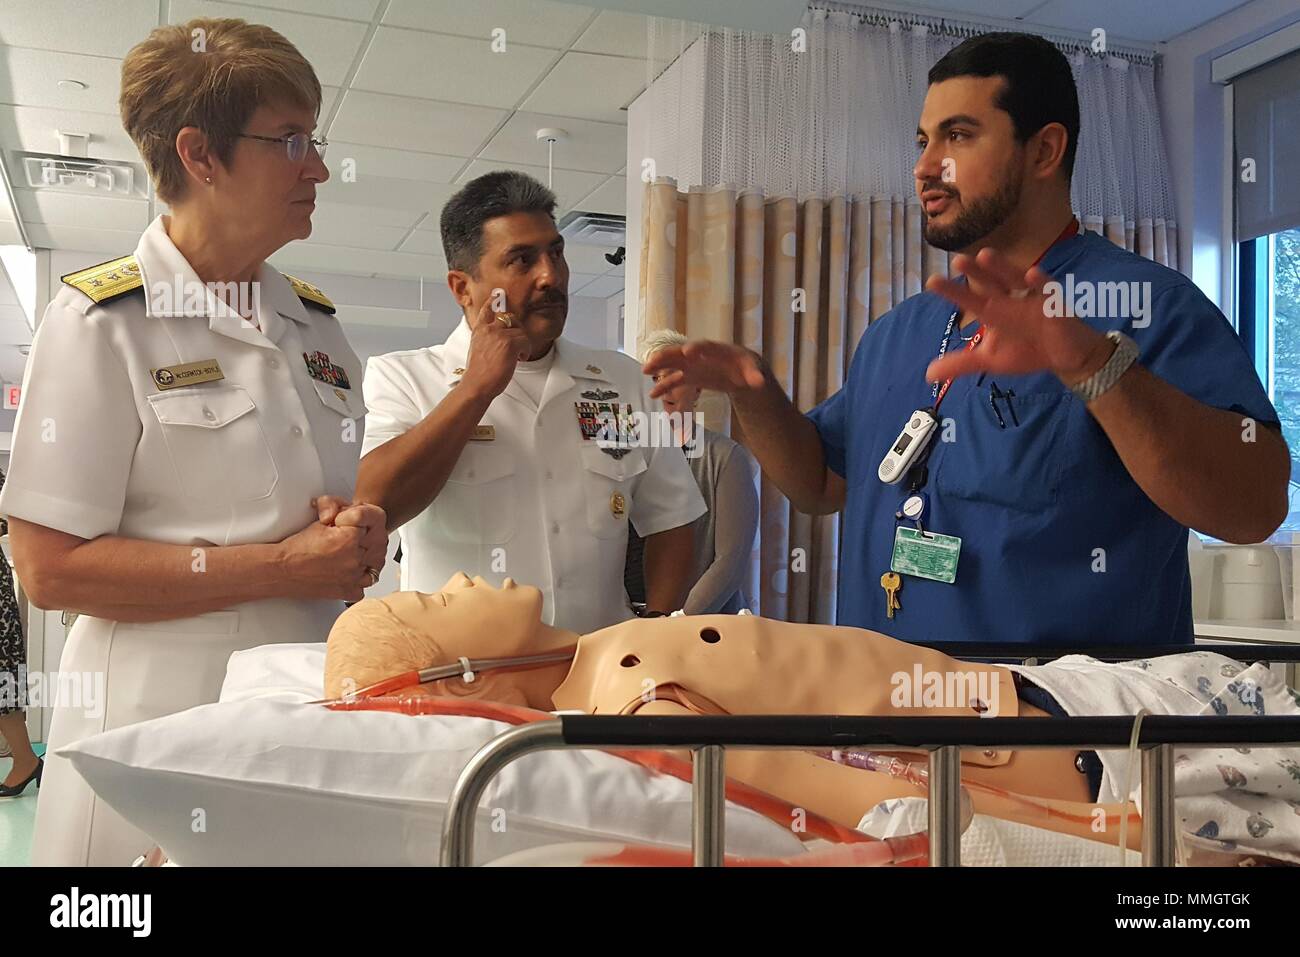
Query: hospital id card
925, 554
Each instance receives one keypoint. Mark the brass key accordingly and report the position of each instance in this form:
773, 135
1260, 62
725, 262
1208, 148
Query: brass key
892, 584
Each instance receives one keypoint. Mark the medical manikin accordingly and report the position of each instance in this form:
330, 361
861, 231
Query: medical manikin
713, 664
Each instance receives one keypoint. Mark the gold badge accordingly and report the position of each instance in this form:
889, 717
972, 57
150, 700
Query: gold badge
457, 371
617, 504
594, 370
191, 373
484, 433
343, 396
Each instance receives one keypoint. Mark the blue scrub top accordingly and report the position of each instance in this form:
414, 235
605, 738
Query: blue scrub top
1059, 545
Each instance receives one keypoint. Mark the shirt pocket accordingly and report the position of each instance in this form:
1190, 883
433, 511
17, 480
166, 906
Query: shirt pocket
607, 487
216, 443
1017, 467
477, 504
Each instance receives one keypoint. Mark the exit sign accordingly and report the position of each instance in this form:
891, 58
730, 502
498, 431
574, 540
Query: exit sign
12, 393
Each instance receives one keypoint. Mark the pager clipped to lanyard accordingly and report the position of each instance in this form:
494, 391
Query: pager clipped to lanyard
921, 424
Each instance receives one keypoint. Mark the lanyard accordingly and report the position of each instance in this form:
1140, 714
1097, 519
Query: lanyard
941, 389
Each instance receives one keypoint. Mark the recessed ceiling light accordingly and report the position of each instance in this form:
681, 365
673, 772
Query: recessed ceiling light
71, 85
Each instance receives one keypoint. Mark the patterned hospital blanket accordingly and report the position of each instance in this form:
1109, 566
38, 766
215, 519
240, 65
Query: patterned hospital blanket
1241, 800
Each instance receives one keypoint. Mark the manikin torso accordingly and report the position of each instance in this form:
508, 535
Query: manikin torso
705, 664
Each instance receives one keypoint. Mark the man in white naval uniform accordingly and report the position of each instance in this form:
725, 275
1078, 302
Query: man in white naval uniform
496, 453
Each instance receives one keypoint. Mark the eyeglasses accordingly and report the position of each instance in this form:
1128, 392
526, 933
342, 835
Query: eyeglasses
295, 144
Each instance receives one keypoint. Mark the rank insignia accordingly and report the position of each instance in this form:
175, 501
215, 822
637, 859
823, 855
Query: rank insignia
321, 369
594, 370
599, 395
617, 505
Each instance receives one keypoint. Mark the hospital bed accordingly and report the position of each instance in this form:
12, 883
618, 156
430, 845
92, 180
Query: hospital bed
464, 759
943, 738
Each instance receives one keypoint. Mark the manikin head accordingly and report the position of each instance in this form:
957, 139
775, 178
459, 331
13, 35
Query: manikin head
378, 638
996, 138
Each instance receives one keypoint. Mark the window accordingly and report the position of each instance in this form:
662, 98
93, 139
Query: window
1269, 295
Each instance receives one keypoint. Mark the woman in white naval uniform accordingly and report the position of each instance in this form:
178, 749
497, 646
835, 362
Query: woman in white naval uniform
188, 435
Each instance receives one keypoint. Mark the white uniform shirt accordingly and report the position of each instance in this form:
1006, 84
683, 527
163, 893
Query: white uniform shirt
99, 448
537, 501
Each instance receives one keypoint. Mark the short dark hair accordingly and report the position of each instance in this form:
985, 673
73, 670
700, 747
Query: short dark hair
1039, 87
487, 197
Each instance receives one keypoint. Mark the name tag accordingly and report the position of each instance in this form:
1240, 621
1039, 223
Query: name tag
926, 554
191, 373
483, 433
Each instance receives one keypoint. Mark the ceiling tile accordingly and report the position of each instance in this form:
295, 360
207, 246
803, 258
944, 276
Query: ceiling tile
360, 235
424, 241
58, 208
400, 164
591, 146
586, 260
330, 45
569, 185
429, 126
64, 25
611, 197
342, 214
624, 34
345, 9
604, 286
402, 194
358, 262
408, 61
32, 128
595, 86
579, 281
1144, 22
31, 77
537, 22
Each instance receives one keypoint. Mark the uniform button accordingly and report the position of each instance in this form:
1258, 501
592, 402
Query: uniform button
469, 474
208, 414
296, 430
274, 363
549, 475
555, 528
990, 754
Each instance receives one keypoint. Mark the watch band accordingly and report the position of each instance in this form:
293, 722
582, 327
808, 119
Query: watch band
1100, 382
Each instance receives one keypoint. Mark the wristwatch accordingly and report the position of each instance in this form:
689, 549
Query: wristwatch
1100, 382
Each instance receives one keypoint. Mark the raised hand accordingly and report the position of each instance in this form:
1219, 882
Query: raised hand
1019, 335
722, 366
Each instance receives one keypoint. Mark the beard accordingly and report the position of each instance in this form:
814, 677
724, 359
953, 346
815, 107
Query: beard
977, 219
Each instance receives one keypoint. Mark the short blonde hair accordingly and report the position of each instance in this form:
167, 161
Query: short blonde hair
208, 73
661, 339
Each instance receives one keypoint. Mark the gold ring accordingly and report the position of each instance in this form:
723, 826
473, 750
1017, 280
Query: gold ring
507, 319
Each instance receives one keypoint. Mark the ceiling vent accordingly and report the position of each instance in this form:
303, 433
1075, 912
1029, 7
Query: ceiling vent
79, 174
594, 229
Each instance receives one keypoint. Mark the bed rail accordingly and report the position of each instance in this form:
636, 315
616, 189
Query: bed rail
708, 737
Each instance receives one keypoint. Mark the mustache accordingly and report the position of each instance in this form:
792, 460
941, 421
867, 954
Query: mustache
550, 299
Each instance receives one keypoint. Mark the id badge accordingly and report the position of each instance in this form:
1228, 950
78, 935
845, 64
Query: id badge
925, 555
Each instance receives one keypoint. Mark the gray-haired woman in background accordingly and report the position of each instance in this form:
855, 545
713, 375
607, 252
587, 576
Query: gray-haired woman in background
728, 479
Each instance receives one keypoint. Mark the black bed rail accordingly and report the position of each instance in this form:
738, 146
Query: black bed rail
944, 738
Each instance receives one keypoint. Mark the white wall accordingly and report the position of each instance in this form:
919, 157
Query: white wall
1196, 136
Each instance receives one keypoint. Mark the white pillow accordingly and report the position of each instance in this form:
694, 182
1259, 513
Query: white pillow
249, 781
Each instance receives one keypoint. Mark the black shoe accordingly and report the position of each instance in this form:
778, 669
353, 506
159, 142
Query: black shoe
18, 789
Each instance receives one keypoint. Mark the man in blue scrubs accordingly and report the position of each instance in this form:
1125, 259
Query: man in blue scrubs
1051, 505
